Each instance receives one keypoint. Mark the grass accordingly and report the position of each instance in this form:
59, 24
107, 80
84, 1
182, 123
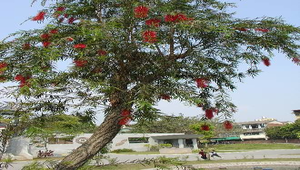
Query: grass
139, 153
140, 166
241, 147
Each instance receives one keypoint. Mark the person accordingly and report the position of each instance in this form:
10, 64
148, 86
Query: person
203, 154
214, 153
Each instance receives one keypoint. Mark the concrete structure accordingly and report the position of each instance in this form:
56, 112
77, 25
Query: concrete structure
297, 114
134, 141
253, 130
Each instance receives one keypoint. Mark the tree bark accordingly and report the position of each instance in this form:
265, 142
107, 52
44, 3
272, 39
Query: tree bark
103, 135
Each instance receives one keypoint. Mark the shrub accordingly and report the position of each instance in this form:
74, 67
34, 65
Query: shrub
122, 150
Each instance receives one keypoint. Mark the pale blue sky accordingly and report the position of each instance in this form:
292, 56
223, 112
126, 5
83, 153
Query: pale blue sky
274, 93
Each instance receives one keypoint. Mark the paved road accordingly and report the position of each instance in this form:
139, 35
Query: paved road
285, 153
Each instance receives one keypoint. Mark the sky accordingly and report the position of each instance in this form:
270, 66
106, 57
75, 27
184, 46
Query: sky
274, 93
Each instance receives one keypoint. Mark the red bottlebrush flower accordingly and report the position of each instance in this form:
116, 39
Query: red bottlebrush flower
71, 20
215, 110
170, 18
19, 77
153, 22
201, 82
262, 30
296, 60
209, 113
40, 16
54, 31
125, 121
149, 36
125, 113
241, 29
80, 63
66, 15
204, 127
141, 12
46, 44
101, 52
228, 125
70, 39
266, 61
181, 17
45, 36
3, 65
79, 46
60, 8
165, 97
26, 46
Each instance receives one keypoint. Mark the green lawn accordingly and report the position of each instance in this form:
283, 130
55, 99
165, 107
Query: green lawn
139, 166
239, 147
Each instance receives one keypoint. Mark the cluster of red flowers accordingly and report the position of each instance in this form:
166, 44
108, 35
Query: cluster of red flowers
204, 127
150, 36
202, 82
3, 66
266, 61
102, 52
39, 17
209, 113
80, 46
165, 97
80, 63
227, 125
126, 117
177, 18
154, 22
141, 12
296, 60
23, 80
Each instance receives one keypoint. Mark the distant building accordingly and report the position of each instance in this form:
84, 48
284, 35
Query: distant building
255, 130
297, 114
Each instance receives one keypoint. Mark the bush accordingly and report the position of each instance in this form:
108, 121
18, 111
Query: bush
122, 150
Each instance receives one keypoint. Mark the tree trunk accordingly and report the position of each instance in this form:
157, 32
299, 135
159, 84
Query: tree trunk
103, 135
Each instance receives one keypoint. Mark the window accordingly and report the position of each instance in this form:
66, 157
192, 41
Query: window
251, 133
138, 140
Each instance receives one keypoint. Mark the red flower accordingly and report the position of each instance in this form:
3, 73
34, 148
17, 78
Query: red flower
176, 18
205, 127
70, 39
141, 12
149, 36
202, 82
241, 29
262, 30
66, 15
3, 65
165, 97
79, 46
228, 125
40, 16
101, 52
19, 78
54, 31
296, 60
60, 8
46, 43
71, 20
209, 113
266, 61
45, 36
124, 121
80, 63
153, 22
125, 113
26, 46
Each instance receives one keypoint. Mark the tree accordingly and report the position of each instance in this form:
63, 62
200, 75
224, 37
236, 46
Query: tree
128, 55
288, 131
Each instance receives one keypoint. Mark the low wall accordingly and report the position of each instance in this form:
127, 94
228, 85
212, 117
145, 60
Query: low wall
268, 141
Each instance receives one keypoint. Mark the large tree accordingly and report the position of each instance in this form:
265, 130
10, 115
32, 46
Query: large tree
128, 55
